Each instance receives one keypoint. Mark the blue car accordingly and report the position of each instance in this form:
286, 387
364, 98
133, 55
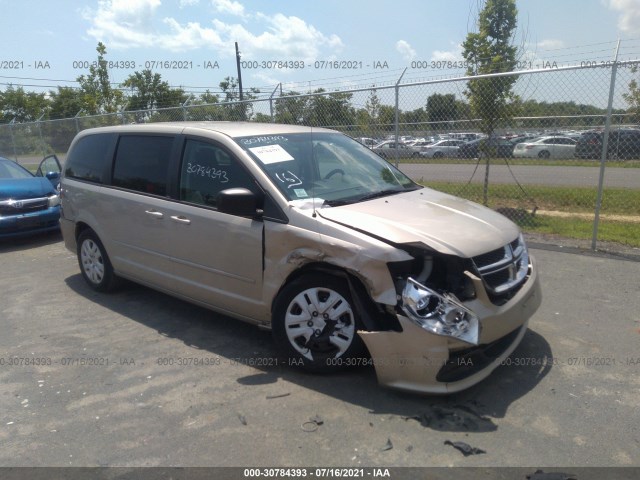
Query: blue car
29, 203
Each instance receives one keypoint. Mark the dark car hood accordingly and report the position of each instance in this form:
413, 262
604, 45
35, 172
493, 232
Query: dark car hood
445, 223
23, 188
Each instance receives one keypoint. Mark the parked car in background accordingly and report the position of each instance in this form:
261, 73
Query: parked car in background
367, 142
623, 143
441, 148
390, 150
28, 203
494, 146
546, 147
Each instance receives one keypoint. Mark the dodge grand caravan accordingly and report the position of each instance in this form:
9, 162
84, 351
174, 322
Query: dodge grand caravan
310, 234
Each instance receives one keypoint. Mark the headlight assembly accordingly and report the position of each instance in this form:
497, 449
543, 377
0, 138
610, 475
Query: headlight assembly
54, 200
441, 314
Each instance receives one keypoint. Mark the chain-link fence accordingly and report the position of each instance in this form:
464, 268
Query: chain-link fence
561, 158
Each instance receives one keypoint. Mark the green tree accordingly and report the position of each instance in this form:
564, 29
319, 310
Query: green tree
291, 109
98, 95
632, 97
65, 103
150, 92
21, 106
490, 50
441, 109
237, 110
330, 110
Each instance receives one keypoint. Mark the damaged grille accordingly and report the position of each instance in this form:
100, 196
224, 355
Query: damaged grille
504, 269
17, 207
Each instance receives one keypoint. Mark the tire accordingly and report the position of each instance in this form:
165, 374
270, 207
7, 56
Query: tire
438, 155
544, 154
309, 308
94, 262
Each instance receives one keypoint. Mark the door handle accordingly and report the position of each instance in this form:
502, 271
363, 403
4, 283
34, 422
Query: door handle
154, 213
181, 219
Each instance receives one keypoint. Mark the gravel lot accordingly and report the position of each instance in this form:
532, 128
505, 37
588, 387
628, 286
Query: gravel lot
138, 378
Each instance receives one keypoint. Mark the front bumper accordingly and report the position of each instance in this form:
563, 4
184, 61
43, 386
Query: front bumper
29, 223
419, 361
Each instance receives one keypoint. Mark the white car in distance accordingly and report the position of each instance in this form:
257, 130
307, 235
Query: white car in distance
546, 147
441, 148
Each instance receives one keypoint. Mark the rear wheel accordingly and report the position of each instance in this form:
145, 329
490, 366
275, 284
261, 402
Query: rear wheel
315, 323
438, 155
94, 262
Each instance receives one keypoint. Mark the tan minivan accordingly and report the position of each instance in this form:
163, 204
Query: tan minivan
306, 232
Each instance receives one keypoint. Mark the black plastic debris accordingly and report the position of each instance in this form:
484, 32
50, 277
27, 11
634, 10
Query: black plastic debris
465, 448
453, 418
541, 475
387, 446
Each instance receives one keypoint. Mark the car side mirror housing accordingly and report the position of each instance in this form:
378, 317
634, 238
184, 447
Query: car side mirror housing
238, 201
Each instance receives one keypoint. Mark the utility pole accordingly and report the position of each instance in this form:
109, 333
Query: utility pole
239, 71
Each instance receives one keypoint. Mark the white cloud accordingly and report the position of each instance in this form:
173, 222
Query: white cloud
455, 54
629, 19
188, 3
124, 24
407, 52
285, 38
550, 44
229, 6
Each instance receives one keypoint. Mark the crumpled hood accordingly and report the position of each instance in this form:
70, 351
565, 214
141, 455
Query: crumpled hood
443, 222
23, 188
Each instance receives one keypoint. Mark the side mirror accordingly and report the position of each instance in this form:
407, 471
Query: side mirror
238, 201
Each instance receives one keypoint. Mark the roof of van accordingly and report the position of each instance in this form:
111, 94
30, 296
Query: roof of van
232, 129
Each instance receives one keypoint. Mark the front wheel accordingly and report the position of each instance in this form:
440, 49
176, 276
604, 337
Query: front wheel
544, 154
94, 263
315, 323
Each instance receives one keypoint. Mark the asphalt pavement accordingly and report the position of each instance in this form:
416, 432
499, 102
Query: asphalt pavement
138, 378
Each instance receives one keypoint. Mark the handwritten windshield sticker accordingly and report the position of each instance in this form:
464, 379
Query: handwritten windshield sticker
290, 178
300, 192
271, 154
270, 138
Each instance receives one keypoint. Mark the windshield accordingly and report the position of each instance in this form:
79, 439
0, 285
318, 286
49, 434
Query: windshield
329, 167
9, 169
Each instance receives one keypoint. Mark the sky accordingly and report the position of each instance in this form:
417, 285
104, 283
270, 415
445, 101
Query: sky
300, 44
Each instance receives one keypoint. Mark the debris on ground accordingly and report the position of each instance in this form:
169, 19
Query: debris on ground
312, 424
465, 448
541, 475
280, 395
455, 417
242, 419
387, 446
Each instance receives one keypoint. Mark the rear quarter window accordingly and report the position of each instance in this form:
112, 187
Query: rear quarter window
89, 157
142, 163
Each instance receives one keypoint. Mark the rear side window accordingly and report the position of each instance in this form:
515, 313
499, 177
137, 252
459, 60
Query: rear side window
88, 158
142, 163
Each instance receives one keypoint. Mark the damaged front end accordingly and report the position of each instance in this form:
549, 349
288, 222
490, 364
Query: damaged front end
459, 318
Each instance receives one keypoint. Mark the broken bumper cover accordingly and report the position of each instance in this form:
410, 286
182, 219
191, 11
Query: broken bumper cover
417, 360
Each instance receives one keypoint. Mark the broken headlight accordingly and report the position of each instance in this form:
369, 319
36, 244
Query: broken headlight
441, 314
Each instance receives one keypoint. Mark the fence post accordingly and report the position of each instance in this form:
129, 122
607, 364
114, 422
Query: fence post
271, 101
605, 146
76, 120
397, 116
13, 140
44, 151
184, 107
